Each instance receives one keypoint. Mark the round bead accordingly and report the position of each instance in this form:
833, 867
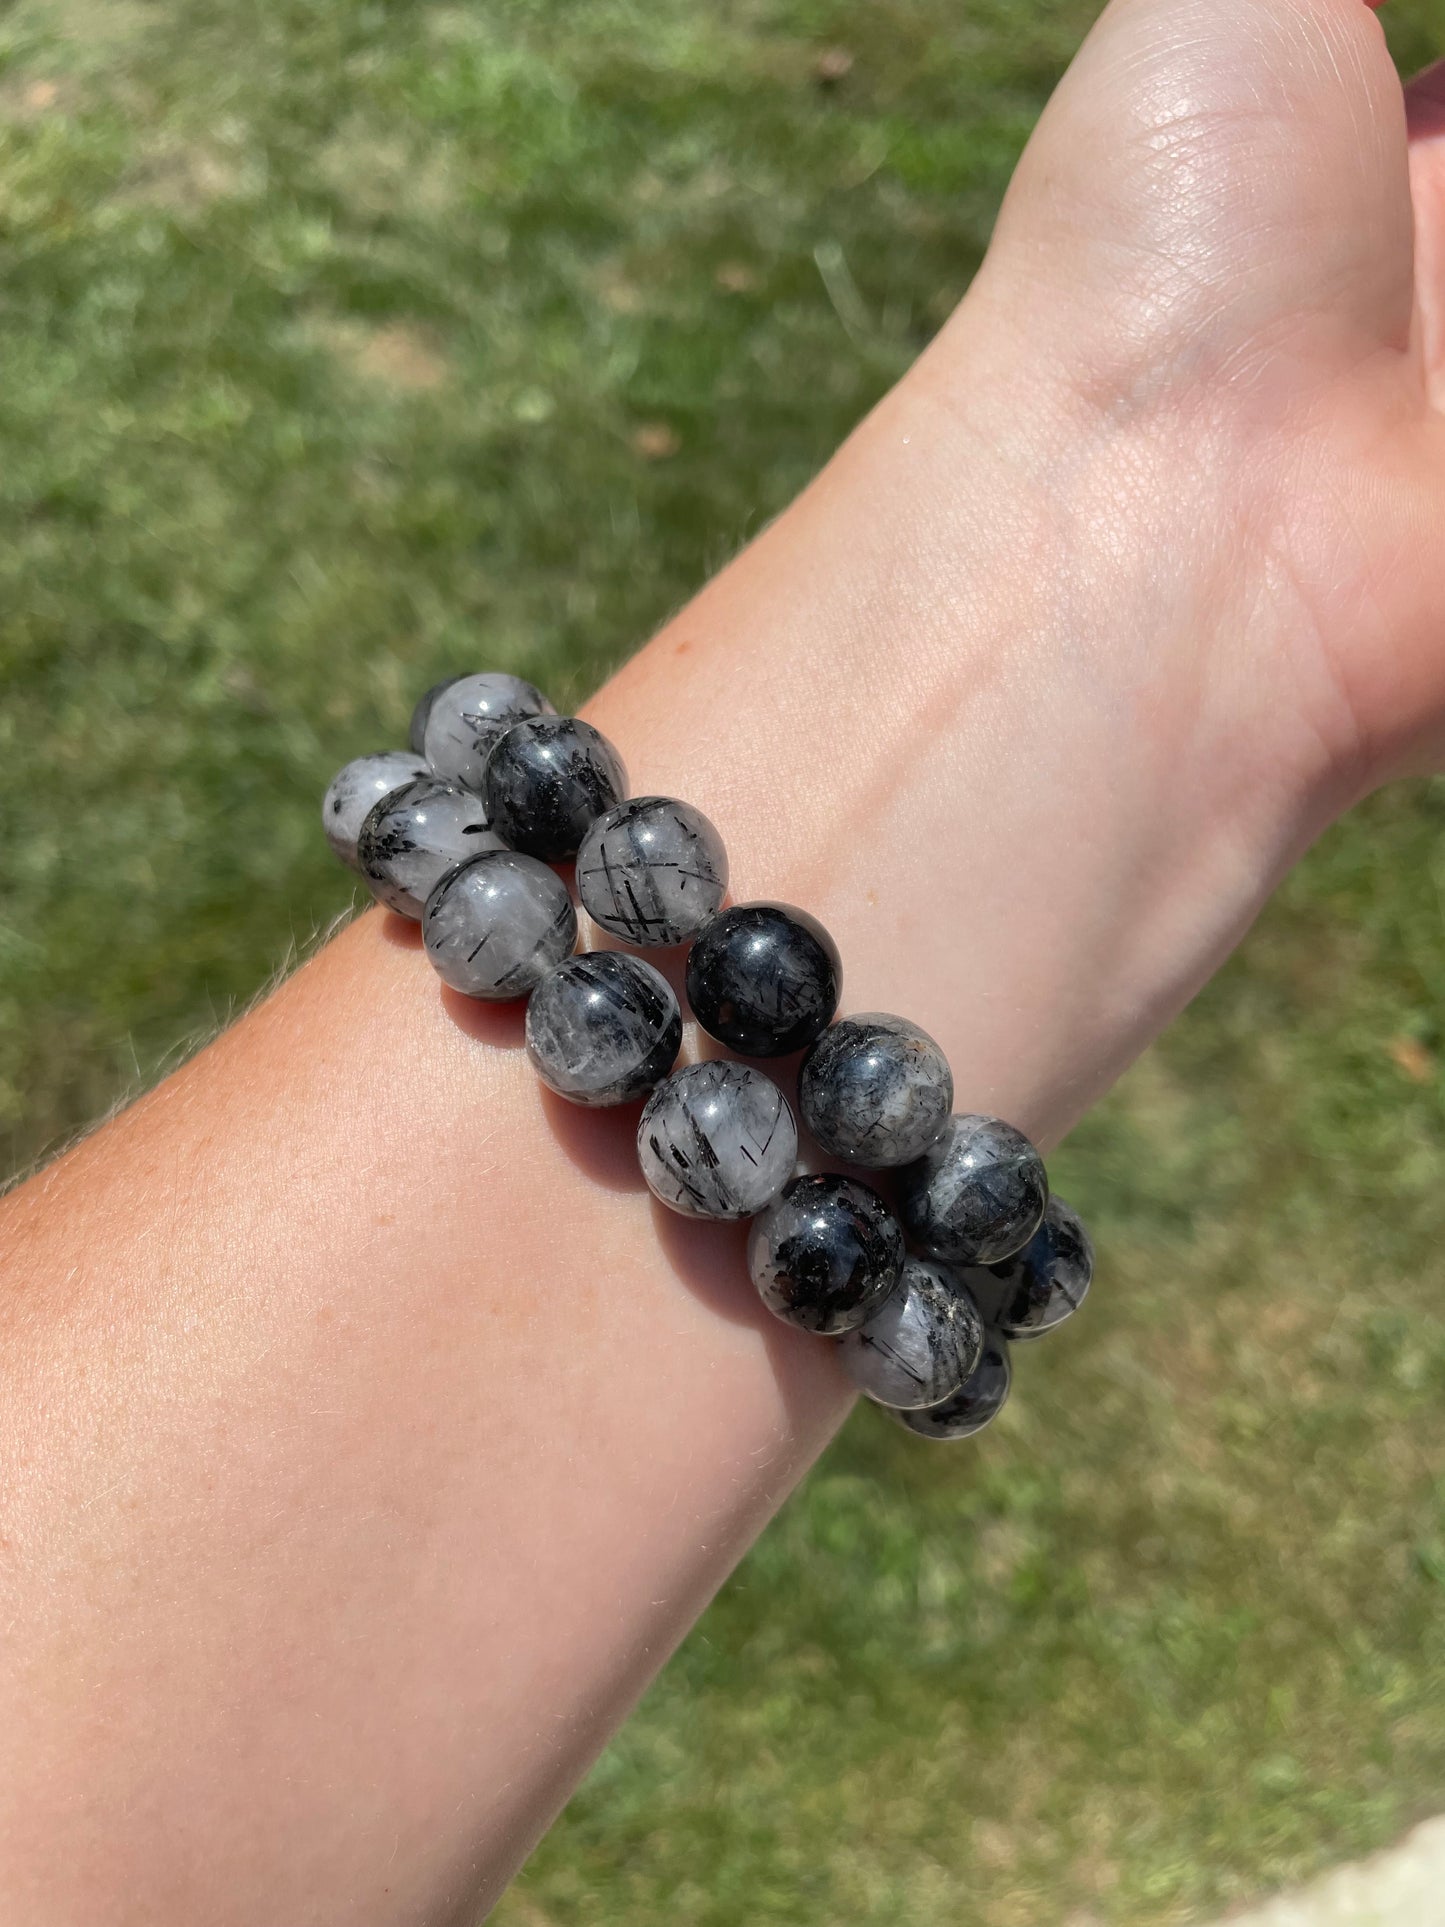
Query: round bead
414, 836
497, 925
976, 1403
875, 1090
922, 1342
717, 1140
1042, 1285
652, 871
416, 735
469, 716
764, 978
826, 1255
603, 1028
354, 792
547, 779
977, 1195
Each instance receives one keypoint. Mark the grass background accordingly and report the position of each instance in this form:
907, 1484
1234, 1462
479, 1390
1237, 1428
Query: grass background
351, 342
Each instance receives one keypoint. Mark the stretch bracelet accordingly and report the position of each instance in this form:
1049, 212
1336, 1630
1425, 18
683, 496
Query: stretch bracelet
923, 1296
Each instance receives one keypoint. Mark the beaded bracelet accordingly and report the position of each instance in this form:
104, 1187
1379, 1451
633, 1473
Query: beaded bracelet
460, 835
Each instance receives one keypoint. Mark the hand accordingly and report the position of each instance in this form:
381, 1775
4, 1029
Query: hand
1139, 567
1209, 246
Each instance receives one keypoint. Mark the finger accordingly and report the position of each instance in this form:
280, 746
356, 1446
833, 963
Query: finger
1425, 110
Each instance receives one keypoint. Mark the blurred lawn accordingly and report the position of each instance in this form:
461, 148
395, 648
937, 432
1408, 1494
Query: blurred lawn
348, 344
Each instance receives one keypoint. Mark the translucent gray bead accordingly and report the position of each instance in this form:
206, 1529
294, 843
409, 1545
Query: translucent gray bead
1042, 1285
354, 792
826, 1255
547, 780
652, 871
496, 926
875, 1090
976, 1403
468, 716
717, 1140
977, 1195
602, 1028
922, 1342
416, 735
764, 978
414, 836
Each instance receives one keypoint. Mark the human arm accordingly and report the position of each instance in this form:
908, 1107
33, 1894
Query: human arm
368, 1441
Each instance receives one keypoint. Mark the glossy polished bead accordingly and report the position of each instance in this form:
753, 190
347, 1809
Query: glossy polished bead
977, 1195
717, 1140
414, 836
469, 715
356, 789
602, 1028
875, 1090
976, 1403
922, 1342
496, 926
652, 871
416, 735
1042, 1285
547, 779
826, 1255
764, 978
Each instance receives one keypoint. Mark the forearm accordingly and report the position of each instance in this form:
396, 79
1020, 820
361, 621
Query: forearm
369, 1437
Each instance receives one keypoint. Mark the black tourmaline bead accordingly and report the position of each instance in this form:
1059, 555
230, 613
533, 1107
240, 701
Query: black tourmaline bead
975, 1404
875, 1089
826, 1255
417, 734
922, 1342
546, 779
603, 1028
411, 839
1042, 1285
977, 1195
465, 718
652, 871
717, 1140
764, 979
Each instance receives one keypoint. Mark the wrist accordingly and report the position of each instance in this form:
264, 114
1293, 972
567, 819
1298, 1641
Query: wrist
968, 702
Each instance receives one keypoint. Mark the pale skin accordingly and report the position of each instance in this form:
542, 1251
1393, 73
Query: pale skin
367, 1438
